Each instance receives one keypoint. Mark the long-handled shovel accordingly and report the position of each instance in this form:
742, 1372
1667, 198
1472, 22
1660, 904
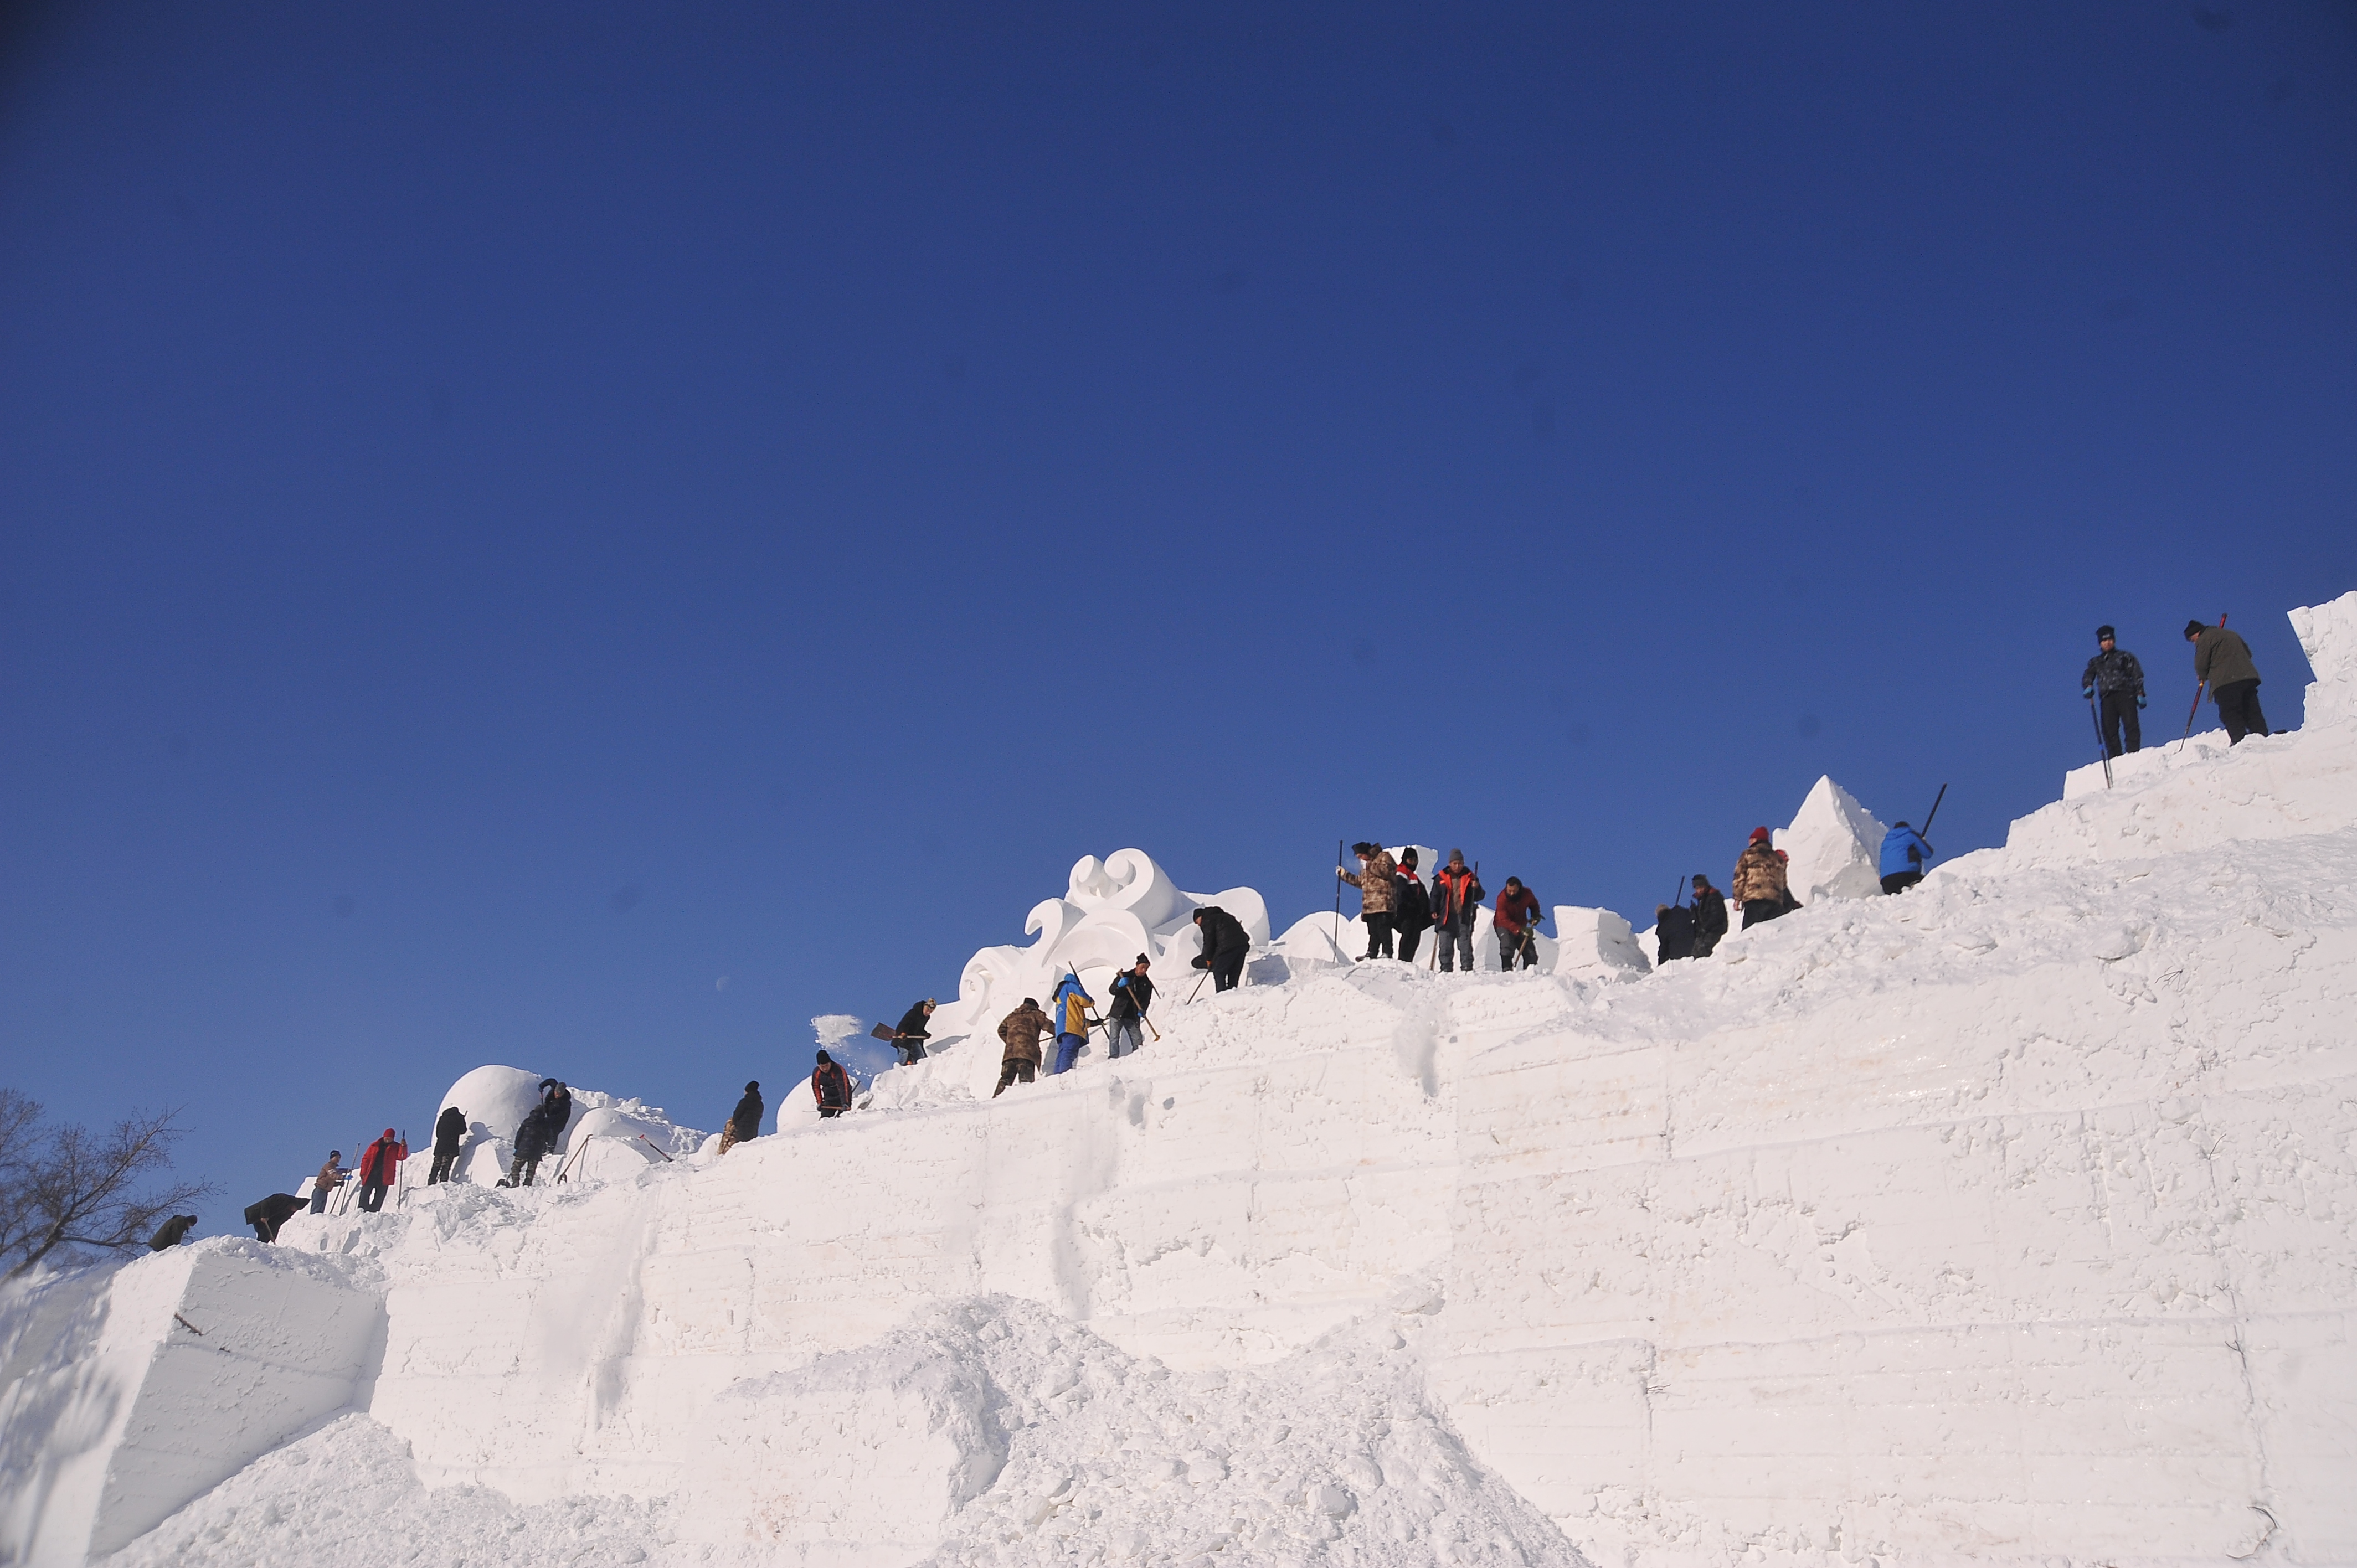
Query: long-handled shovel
2102, 745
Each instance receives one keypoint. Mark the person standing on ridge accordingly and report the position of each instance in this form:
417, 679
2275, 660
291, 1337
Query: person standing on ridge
1904, 853
1457, 902
1761, 880
830, 1086
2223, 658
1673, 933
270, 1213
1133, 994
1516, 922
331, 1175
1373, 881
2115, 675
1070, 1004
908, 1035
1709, 914
1018, 1035
536, 1137
449, 1133
379, 1169
744, 1121
1225, 943
1411, 907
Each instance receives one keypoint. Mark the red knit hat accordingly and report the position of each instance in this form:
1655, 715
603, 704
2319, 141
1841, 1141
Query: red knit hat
1761, 836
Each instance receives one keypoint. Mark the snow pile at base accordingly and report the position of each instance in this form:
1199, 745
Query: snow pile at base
2009, 1219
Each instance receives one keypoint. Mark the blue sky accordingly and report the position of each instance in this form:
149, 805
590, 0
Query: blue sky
511, 518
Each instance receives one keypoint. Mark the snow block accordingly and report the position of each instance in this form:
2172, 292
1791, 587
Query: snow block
130, 1391
1596, 944
2328, 635
1835, 846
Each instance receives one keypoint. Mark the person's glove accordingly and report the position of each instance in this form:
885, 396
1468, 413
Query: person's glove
2087, 693
2140, 700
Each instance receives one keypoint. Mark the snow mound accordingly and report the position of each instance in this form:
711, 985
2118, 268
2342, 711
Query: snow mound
626, 1133
1834, 846
2328, 635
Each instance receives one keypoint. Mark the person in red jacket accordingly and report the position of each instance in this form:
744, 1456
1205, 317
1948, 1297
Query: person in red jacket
379, 1169
829, 1086
1517, 922
1457, 895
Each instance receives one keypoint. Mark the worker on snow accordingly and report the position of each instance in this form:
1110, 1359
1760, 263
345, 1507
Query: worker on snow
1070, 1008
331, 1175
379, 1169
1904, 856
449, 1133
744, 1121
272, 1212
1456, 904
1018, 1035
1225, 943
168, 1234
1516, 922
909, 1037
2224, 659
1411, 907
1673, 933
2114, 676
1133, 994
1760, 880
1373, 881
1710, 915
830, 1086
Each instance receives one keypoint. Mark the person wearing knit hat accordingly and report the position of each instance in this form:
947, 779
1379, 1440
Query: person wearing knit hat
744, 1121
2222, 660
2114, 678
1133, 994
1760, 880
830, 1086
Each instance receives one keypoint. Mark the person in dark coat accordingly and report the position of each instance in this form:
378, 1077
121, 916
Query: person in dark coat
908, 1035
449, 1133
1133, 994
170, 1233
1710, 915
1411, 907
1516, 922
1457, 895
2114, 676
1019, 1036
272, 1212
379, 1169
2223, 658
533, 1140
829, 1086
1673, 933
1225, 943
744, 1121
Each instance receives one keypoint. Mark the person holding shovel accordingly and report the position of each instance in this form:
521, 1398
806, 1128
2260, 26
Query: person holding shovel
1516, 919
1133, 994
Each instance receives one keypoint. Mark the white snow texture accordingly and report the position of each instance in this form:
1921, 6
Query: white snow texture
2008, 1221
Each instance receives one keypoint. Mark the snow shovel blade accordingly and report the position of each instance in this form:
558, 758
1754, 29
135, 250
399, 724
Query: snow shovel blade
883, 1031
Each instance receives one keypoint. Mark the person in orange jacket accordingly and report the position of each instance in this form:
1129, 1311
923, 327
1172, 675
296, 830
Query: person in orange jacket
829, 1086
379, 1169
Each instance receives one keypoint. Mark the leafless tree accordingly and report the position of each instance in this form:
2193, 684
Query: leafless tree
64, 1190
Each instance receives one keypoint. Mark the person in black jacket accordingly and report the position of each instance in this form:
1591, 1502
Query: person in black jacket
1224, 946
2114, 676
543, 1126
450, 1132
744, 1121
272, 1212
909, 1036
1411, 907
1133, 994
1709, 916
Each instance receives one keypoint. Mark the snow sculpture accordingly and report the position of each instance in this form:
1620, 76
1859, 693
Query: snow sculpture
1835, 846
495, 1101
2328, 635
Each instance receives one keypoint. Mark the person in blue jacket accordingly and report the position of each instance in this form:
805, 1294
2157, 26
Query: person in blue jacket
1070, 1010
1904, 854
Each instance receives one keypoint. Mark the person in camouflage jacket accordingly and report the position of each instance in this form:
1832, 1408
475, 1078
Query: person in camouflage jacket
1019, 1034
2115, 674
1373, 881
1760, 881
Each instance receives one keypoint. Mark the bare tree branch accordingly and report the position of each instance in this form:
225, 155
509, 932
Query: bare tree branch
65, 1188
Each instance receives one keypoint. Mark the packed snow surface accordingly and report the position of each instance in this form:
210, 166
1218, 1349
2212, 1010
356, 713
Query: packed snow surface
2009, 1219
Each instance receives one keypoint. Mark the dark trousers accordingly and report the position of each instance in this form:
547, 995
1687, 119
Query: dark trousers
2238, 710
1015, 1071
1900, 881
2120, 712
1521, 946
1379, 931
440, 1169
1456, 942
371, 1197
1705, 942
1756, 911
319, 1196
1409, 934
911, 1051
1226, 971
825, 1111
264, 1231
522, 1170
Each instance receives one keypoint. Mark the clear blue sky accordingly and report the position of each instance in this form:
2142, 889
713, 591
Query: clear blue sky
510, 515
